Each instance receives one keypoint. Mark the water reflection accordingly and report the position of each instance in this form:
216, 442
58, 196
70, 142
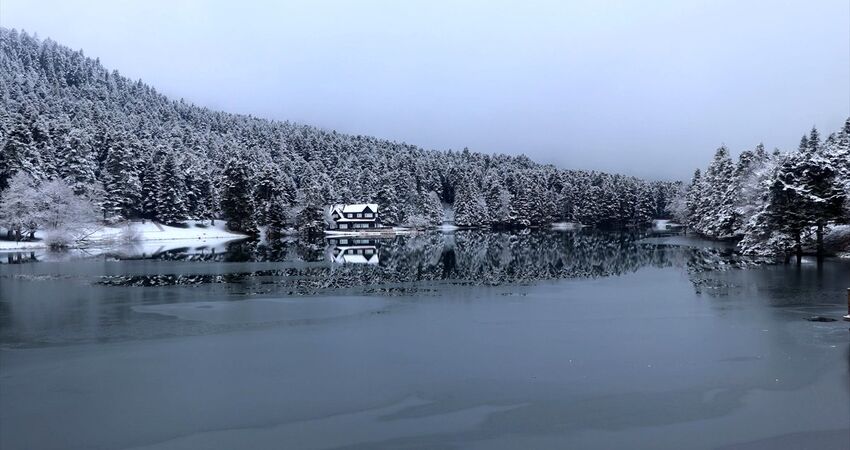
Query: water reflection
465, 257
95, 297
352, 251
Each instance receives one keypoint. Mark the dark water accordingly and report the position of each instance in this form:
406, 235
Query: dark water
464, 340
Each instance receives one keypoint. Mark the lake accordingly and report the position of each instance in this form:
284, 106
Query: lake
463, 340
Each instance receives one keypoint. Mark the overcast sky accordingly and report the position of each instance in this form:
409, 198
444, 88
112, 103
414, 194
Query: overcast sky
648, 88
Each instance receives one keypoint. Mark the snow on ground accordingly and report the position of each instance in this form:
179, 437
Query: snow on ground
447, 227
195, 230
12, 245
137, 232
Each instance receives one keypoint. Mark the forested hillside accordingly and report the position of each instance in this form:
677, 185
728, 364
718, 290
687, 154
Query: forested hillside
775, 203
139, 154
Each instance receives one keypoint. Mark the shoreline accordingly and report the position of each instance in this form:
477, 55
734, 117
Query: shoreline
138, 232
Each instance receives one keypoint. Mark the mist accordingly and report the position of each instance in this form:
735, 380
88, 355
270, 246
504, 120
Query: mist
643, 89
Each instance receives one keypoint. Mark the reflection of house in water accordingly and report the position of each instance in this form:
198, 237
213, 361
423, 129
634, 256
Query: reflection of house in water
352, 251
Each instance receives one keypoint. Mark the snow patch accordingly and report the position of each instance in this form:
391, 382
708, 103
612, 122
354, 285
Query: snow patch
194, 231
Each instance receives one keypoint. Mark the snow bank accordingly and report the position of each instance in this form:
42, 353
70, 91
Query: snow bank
152, 231
194, 231
12, 245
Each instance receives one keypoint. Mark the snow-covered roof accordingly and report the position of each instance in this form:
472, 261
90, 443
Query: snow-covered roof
357, 208
346, 219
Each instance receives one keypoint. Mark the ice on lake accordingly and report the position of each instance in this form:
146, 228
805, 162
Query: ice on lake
469, 340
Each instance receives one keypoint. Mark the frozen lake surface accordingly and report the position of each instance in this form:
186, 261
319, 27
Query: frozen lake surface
467, 340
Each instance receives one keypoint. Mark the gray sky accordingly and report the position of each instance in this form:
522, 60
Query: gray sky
648, 88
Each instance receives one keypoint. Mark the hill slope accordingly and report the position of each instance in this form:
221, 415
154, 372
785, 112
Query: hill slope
66, 116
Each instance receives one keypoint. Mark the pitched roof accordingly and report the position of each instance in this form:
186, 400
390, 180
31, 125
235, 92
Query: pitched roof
359, 207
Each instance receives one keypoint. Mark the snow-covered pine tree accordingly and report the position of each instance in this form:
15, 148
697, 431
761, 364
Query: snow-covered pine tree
716, 218
237, 201
268, 186
522, 201
149, 178
278, 216
469, 205
77, 162
390, 198
823, 190
19, 152
432, 208
121, 182
310, 216
693, 200
171, 197
498, 201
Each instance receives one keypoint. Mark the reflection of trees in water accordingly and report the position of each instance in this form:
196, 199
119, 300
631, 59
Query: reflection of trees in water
467, 257
18, 258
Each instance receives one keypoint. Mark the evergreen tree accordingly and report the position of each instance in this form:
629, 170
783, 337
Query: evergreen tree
121, 182
171, 197
469, 205
237, 202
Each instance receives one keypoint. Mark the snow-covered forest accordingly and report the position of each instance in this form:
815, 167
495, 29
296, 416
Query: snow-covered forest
69, 125
776, 203
137, 154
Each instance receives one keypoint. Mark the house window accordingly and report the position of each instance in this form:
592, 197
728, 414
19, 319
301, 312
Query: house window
343, 226
359, 215
368, 215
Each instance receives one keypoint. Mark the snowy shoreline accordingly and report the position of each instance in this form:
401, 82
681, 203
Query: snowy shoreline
148, 231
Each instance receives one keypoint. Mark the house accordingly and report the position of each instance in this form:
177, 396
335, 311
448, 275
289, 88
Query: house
353, 217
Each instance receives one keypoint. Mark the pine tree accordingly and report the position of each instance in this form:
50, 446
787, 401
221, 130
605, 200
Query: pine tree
310, 217
268, 187
171, 197
237, 202
121, 182
469, 205
77, 166
498, 201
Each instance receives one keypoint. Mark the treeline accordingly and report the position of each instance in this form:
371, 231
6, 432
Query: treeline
775, 203
138, 154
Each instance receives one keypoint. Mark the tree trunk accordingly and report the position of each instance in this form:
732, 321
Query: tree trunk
820, 241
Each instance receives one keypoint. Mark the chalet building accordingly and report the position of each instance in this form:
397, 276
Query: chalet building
353, 217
